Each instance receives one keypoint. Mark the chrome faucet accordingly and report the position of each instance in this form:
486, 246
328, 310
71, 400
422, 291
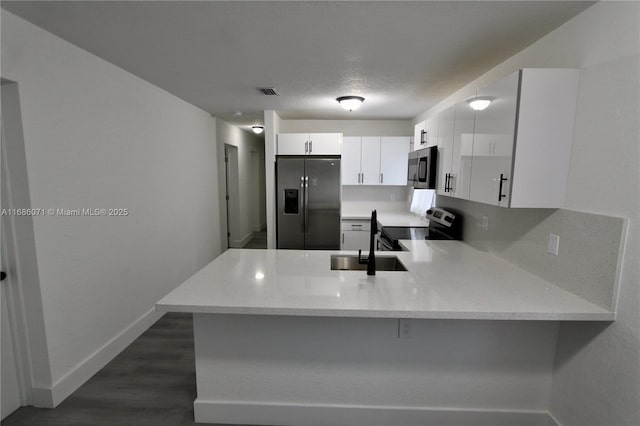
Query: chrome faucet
371, 260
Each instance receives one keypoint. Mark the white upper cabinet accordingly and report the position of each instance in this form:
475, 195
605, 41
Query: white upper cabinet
309, 143
394, 152
418, 135
446, 120
371, 160
350, 160
430, 136
375, 160
522, 141
325, 143
493, 143
425, 134
459, 181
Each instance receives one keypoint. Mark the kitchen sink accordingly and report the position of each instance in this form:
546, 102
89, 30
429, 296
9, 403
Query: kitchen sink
341, 262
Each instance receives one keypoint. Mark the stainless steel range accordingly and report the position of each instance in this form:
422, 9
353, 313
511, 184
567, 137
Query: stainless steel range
443, 225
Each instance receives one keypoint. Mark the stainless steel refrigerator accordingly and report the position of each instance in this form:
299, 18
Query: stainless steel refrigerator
308, 200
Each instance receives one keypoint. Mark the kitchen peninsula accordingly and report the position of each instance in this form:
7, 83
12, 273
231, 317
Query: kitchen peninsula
282, 339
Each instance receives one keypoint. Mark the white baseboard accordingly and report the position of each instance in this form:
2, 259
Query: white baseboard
70, 382
241, 242
295, 414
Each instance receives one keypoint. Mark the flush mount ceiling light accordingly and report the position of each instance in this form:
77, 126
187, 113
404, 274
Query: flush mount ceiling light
350, 102
257, 129
479, 103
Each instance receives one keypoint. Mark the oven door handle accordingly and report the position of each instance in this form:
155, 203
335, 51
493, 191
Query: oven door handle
385, 245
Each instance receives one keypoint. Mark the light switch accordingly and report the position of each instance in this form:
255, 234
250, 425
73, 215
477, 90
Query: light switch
554, 244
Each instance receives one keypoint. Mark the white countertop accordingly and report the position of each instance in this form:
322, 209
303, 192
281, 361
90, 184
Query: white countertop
446, 279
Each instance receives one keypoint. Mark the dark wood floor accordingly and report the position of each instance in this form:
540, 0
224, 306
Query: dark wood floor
152, 382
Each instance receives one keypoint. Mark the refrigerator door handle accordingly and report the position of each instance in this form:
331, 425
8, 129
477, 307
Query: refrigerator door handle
306, 203
302, 203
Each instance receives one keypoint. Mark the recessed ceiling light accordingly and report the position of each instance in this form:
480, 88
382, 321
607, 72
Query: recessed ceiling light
350, 103
257, 129
479, 103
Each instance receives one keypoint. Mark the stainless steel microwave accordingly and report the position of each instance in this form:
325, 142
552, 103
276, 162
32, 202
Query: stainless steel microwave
422, 168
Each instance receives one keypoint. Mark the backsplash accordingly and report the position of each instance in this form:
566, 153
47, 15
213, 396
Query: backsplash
589, 251
375, 193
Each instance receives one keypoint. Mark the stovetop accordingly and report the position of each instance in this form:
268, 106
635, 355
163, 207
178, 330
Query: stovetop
394, 233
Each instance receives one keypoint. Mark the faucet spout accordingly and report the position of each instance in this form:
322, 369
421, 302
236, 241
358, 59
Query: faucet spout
371, 260
371, 264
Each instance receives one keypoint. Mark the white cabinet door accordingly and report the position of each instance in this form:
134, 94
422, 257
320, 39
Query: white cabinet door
350, 161
293, 143
394, 153
370, 164
493, 143
325, 143
460, 179
431, 132
446, 120
418, 135
355, 240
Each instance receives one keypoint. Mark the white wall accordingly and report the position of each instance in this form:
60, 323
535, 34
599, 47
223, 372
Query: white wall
96, 136
258, 369
271, 129
250, 201
597, 374
349, 127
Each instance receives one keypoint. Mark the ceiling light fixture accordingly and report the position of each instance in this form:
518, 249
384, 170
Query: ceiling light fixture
257, 129
350, 102
479, 103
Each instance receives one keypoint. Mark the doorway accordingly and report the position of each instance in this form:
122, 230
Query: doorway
232, 196
10, 394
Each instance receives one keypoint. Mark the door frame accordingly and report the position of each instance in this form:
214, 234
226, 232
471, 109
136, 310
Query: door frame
232, 193
12, 288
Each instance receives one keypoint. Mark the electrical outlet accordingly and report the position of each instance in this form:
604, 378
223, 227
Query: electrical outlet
404, 328
392, 197
554, 244
485, 223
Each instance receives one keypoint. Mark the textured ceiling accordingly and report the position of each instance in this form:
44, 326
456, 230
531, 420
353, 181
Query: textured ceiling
403, 57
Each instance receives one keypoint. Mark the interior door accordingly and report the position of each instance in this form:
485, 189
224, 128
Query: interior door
9, 387
322, 212
290, 193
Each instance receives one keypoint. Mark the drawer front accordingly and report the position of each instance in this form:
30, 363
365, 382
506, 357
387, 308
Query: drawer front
356, 225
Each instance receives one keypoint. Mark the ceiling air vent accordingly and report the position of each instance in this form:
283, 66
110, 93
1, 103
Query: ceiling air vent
268, 91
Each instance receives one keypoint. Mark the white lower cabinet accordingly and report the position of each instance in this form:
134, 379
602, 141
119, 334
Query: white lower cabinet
355, 234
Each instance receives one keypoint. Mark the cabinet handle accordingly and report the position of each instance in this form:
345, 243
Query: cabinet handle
500, 194
306, 147
381, 177
310, 146
446, 182
356, 226
343, 238
423, 137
